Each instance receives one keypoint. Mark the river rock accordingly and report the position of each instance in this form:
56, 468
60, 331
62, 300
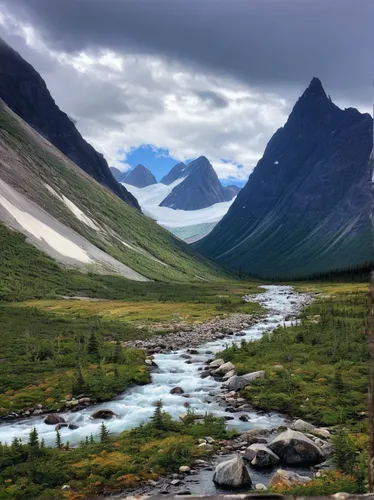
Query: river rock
288, 479
238, 382
228, 375
205, 374
54, 419
261, 456
216, 363
184, 469
84, 401
226, 367
294, 448
104, 414
244, 418
302, 426
177, 390
73, 427
232, 473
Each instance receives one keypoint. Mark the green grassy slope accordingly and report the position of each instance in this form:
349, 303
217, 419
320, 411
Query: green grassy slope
29, 163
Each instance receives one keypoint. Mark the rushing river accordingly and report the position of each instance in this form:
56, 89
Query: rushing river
136, 405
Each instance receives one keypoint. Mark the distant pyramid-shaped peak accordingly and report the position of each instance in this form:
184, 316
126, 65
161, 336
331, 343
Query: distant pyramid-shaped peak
140, 177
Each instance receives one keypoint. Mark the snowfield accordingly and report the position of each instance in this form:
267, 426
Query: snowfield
150, 197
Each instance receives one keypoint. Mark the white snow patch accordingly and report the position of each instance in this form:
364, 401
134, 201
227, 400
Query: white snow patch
150, 197
43, 232
79, 214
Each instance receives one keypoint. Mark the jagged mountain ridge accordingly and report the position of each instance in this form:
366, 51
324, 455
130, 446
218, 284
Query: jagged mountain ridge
139, 177
25, 92
200, 189
305, 208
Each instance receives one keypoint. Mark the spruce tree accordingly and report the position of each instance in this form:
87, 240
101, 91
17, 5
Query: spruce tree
58, 439
104, 433
33, 443
158, 416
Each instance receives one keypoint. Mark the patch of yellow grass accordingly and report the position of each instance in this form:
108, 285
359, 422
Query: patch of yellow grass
330, 288
136, 312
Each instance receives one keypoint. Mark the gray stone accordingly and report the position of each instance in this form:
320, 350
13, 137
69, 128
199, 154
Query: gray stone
104, 414
302, 426
228, 375
226, 367
232, 473
294, 448
54, 419
261, 456
216, 363
238, 382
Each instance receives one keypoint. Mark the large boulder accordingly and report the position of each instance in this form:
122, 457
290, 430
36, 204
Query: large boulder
238, 382
294, 448
103, 414
216, 363
261, 456
232, 473
287, 479
54, 419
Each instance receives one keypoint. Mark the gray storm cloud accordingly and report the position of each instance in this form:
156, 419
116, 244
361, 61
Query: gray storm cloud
266, 43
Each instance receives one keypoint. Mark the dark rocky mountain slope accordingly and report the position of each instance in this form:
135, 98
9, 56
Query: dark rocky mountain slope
200, 189
305, 208
179, 171
25, 92
139, 177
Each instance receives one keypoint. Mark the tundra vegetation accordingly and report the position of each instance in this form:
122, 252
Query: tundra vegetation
318, 370
103, 465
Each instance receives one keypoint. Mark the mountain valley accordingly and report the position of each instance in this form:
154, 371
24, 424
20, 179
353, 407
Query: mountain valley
179, 337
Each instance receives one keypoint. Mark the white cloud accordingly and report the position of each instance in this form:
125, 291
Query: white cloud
121, 101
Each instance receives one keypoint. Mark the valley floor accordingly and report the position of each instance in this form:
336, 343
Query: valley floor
74, 345
317, 370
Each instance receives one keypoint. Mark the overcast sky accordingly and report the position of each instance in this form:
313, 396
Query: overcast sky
192, 77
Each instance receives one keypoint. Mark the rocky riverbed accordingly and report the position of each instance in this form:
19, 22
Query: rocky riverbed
247, 461
194, 336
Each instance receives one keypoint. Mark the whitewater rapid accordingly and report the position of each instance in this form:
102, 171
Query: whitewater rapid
136, 405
